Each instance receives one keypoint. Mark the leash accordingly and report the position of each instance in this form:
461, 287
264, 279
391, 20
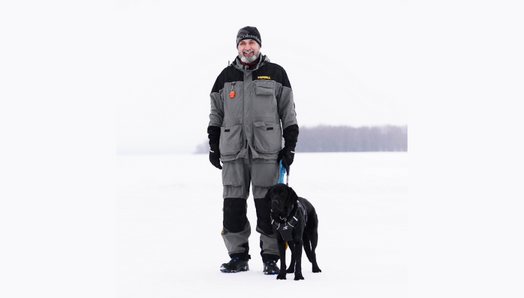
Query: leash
281, 172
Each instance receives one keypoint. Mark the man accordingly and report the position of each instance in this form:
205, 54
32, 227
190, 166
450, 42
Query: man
252, 108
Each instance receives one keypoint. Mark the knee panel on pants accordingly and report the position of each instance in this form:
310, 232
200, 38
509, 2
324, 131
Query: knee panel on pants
235, 217
263, 219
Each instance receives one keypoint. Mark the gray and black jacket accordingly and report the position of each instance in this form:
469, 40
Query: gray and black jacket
252, 108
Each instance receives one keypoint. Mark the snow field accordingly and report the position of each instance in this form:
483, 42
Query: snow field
169, 217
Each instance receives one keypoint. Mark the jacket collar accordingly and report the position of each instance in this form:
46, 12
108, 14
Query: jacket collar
238, 65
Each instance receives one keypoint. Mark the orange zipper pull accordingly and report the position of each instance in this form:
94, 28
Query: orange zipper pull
232, 93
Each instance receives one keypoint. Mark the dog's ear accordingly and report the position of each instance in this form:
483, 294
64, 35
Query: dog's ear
291, 194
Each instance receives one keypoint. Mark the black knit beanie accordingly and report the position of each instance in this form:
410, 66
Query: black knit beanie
249, 33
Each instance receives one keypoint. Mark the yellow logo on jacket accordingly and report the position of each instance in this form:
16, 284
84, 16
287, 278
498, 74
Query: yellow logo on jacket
264, 78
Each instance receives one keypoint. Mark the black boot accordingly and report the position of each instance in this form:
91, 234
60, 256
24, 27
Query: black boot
271, 268
270, 264
237, 263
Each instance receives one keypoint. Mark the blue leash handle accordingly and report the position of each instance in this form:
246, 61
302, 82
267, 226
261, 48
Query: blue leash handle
281, 173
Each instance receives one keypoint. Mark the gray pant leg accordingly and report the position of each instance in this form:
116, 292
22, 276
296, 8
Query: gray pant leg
236, 178
236, 181
237, 243
268, 244
265, 175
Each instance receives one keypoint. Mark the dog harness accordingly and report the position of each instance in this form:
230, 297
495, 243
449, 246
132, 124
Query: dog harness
286, 228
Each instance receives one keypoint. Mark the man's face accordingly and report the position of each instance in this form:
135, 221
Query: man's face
248, 50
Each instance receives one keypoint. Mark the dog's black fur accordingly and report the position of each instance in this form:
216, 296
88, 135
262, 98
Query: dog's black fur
282, 201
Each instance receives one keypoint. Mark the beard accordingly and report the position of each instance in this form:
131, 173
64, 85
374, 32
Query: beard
247, 58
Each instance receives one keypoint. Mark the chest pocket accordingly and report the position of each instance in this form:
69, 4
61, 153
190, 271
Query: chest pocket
265, 88
265, 103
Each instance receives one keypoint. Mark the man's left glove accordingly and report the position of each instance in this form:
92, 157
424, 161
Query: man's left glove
213, 133
287, 154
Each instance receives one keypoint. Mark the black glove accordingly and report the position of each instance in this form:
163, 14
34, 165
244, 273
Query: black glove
214, 157
287, 154
214, 151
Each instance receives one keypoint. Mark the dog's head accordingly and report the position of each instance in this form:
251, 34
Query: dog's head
281, 200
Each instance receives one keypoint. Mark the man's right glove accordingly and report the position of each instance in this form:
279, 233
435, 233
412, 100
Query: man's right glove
214, 157
213, 133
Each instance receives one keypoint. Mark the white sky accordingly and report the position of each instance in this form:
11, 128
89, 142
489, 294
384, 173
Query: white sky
346, 62
136, 75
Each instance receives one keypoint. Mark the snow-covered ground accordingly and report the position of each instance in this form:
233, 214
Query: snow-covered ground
169, 220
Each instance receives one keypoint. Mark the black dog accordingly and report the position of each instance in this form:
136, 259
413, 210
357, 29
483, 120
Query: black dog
294, 221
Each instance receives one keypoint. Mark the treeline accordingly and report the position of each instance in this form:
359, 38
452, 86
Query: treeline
347, 139
352, 139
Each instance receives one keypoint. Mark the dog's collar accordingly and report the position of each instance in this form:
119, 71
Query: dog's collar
286, 228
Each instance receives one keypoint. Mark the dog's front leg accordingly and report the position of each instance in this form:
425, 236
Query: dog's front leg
297, 253
291, 267
282, 252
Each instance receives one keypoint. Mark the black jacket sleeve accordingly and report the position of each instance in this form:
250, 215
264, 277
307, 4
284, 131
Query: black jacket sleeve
290, 135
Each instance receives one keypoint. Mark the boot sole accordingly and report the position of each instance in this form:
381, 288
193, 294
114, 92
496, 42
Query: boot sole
243, 269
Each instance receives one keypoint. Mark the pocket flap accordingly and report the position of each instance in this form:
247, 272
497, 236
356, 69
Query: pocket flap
264, 91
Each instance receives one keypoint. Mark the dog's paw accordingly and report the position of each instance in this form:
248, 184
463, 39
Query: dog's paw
299, 277
281, 276
316, 270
